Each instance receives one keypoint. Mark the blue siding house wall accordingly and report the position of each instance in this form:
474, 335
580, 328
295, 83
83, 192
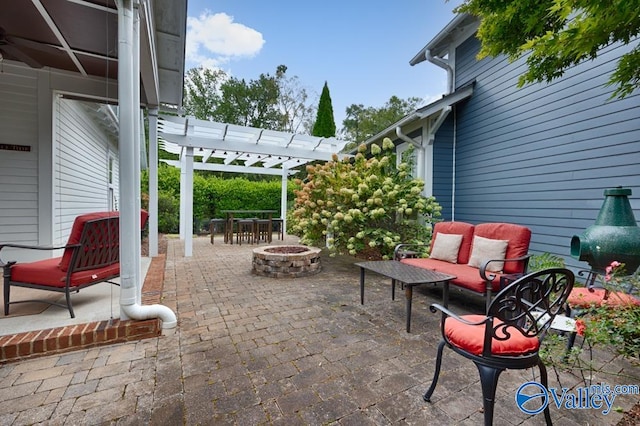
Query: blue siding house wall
442, 167
541, 155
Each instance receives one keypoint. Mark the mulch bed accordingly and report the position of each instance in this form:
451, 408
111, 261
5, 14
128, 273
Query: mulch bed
162, 245
631, 417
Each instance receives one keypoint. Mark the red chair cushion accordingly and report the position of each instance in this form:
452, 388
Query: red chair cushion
519, 238
78, 226
466, 276
471, 338
581, 297
76, 234
461, 228
48, 273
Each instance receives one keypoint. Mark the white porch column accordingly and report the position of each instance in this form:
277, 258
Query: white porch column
153, 182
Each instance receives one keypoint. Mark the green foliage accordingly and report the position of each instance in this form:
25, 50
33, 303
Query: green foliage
615, 327
362, 123
202, 91
541, 261
558, 34
363, 207
297, 115
168, 213
211, 195
274, 102
252, 103
325, 125
612, 326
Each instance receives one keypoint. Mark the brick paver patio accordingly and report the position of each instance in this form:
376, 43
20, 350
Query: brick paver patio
258, 350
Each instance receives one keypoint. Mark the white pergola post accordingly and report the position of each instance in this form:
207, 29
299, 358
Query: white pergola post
183, 184
283, 199
188, 203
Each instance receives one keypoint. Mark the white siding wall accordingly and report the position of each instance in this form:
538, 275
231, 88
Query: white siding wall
82, 151
18, 170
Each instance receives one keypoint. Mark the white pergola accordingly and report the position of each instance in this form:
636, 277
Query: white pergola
243, 150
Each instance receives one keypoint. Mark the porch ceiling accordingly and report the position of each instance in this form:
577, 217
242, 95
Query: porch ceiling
243, 149
81, 36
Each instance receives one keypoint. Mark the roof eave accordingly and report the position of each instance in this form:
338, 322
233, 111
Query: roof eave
425, 111
440, 43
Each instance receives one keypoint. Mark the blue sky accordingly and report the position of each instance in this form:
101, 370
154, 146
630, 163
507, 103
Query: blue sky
361, 48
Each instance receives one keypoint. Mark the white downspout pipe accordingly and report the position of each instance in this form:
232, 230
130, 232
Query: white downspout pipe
444, 65
130, 205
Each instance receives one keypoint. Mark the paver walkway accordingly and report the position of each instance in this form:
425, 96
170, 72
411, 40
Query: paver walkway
255, 350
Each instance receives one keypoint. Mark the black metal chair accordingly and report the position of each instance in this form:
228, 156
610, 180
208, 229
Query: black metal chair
509, 336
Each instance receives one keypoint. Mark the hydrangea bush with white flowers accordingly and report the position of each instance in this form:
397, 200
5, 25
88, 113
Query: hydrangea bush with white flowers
363, 206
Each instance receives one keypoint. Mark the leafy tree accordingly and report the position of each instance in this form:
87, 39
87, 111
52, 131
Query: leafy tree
557, 34
253, 103
297, 114
362, 123
325, 125
202, 91
272, 102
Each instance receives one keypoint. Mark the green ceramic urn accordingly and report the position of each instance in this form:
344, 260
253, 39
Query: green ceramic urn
614, 236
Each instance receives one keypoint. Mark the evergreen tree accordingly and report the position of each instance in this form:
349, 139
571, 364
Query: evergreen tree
325, 125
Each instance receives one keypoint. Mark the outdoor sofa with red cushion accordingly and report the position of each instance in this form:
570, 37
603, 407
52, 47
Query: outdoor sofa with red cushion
477, 255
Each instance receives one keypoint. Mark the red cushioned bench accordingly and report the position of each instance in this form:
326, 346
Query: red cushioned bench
91, 256
477, 255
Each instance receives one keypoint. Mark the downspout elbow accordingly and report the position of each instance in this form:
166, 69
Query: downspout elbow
406, 138
132, 310
444, 65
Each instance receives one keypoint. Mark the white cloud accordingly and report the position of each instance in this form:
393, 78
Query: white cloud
214, 40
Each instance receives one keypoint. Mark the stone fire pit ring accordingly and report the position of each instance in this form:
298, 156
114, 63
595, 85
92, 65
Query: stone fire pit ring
290, 261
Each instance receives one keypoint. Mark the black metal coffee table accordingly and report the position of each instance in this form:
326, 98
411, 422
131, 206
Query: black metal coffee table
408, 275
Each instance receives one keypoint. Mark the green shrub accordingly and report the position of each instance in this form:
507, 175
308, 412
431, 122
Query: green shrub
211, 195
168, 213
363, 207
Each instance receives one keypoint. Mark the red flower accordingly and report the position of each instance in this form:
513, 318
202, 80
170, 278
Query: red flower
580, 327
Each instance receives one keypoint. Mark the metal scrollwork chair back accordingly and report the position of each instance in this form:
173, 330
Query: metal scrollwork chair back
509, 335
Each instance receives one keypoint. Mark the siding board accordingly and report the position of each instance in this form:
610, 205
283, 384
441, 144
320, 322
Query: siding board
18, 170
82, 150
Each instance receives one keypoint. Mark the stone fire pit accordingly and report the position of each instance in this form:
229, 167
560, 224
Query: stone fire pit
286, 261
